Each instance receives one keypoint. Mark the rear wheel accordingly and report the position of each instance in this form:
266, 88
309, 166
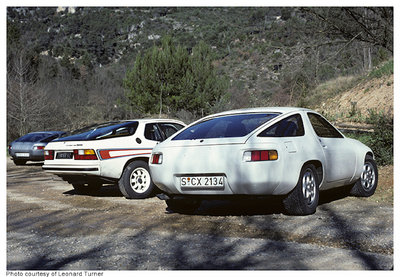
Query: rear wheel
303, 199
366, 185
135, 182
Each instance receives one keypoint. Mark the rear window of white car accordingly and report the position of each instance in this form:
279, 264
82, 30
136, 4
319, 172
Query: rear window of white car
229, 126
33, 137
104, 131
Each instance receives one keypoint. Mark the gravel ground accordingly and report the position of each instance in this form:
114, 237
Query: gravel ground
50, 227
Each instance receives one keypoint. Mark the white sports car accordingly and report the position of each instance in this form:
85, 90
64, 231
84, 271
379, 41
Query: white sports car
110, 152
292, 152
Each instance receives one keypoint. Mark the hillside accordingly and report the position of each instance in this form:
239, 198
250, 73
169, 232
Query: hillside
361, 102
375, 95
70, 64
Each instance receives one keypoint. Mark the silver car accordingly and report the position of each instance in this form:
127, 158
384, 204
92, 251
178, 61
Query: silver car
30, 147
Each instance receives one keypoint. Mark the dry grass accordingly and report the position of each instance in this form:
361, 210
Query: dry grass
331, 89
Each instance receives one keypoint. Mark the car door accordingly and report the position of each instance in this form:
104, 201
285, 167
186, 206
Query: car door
339, 155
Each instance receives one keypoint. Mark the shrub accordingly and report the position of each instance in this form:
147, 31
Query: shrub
381, 140
384, 70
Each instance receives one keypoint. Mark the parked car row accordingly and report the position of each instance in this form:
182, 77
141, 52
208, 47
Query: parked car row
293, 153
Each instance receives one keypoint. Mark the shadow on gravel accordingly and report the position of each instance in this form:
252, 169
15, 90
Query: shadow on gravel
259, 205
31, 164
351, 238
332, 195
182, 242
105, 191
240, 207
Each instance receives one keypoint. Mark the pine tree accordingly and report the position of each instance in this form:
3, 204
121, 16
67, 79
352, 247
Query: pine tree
169, 78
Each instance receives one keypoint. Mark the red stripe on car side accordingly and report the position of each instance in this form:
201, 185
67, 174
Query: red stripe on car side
105, 154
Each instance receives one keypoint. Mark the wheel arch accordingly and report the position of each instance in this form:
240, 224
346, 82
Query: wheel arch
144, 159
319, 168
371, 154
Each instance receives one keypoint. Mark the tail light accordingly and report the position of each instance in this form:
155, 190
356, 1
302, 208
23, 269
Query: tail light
84, 154
156, 158
36, 147
260, 155
49, 154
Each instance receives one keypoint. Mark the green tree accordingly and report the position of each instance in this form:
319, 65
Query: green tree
169, 78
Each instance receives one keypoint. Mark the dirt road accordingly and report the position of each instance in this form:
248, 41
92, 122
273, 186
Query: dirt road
49, 226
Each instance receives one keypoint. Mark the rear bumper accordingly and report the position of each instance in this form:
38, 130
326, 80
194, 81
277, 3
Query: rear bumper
69, 170
28, 155
72, 169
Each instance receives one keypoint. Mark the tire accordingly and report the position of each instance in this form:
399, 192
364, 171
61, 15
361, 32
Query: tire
184, 206
136, 182
19, 162
366, 185
303, 199
89, 188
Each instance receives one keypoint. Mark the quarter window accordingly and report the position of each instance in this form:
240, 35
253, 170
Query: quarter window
151, 132
291, 126
170, 128
322, 127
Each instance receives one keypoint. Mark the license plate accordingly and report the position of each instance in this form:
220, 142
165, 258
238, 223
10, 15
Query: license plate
203, 182
25, 155
64, 155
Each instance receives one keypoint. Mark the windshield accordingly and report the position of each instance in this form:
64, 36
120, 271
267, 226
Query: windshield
103, 131
226, 126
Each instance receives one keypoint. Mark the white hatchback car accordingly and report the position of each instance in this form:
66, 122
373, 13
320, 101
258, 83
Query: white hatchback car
292, 152
110, 152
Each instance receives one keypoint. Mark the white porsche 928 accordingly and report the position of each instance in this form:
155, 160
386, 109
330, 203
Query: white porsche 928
291, 152
116, 152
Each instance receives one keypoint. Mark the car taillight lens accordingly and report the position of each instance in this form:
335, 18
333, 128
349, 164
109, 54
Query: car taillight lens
260, 155
84, 154
156, 158
49, 154
38, 147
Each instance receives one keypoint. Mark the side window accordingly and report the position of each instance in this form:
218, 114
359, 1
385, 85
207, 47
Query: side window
170, 128
322, 127
151, 132
291, 126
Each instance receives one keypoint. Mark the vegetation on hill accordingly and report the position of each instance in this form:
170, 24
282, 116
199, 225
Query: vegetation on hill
69, 67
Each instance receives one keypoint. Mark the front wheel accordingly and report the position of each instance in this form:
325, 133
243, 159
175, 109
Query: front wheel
303, 199
135, 182
366, 185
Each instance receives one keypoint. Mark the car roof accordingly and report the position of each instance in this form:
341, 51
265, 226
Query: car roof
146, 120
47, 132
282, 110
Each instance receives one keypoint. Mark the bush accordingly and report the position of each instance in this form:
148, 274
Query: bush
381, 140
384, 70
